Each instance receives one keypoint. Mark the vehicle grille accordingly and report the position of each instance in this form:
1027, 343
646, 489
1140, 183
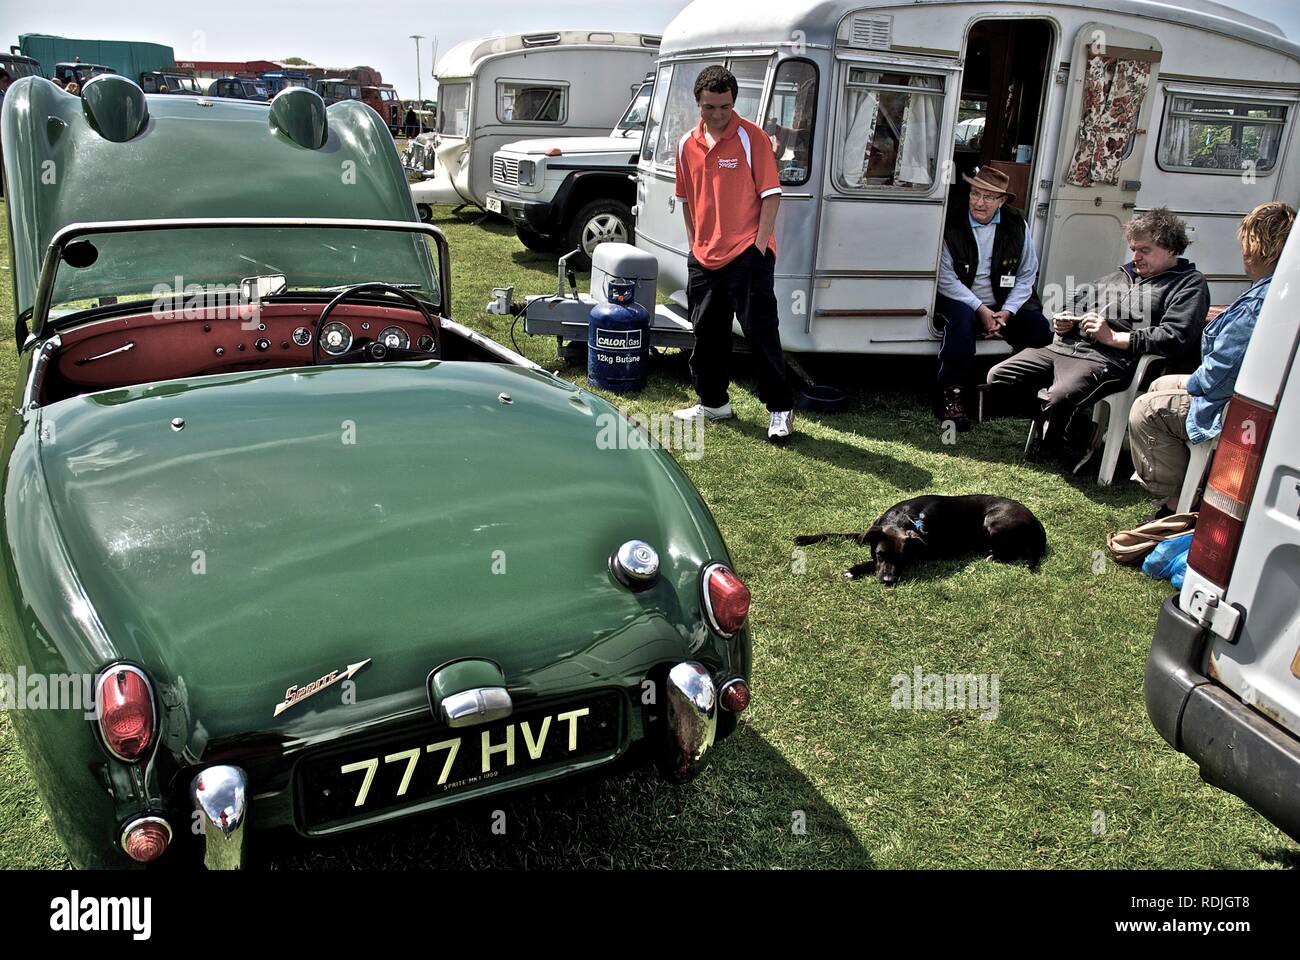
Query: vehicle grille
506, 171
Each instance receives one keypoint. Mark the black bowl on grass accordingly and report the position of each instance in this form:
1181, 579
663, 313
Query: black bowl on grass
823, 399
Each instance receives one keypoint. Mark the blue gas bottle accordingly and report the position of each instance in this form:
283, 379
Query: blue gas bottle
618, 340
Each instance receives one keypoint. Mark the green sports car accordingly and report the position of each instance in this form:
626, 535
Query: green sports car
285, 549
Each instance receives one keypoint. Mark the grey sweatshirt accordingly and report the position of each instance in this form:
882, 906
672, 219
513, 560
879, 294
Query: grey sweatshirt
1164, 315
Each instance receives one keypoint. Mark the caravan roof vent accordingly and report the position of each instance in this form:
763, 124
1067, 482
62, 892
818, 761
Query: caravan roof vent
115, 107
648, 40
299, 114
871, 31
600, 38
540, 39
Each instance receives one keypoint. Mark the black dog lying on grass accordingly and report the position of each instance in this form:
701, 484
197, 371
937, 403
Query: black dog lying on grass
932, 526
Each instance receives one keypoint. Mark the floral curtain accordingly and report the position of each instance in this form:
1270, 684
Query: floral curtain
1113, 91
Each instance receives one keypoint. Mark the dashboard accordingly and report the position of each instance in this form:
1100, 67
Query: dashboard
166, 345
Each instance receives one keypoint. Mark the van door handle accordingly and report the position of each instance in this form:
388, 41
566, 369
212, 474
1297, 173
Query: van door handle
672, 204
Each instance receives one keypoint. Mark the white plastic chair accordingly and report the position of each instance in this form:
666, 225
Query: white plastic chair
1116, 407
1196, 467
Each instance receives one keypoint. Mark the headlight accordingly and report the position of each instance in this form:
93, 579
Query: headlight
527, 172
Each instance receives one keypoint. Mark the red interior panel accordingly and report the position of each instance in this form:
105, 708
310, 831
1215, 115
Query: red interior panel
189, 343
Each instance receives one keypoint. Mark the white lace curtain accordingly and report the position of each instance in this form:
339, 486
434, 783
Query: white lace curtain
862, 108
920, 135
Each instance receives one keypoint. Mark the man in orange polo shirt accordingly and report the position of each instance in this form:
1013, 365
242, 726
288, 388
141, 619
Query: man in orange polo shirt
729, 190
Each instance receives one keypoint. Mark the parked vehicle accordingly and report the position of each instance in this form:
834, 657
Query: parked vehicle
1223, 675
163, 81
219, 509
417, 117
385, 102
332, 90
78, 72
572, 193
130, 58
501, 89
863, 105
18, 66
240, 88
277, 80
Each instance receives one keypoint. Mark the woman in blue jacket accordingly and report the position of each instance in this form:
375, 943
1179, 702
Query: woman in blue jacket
1180, 408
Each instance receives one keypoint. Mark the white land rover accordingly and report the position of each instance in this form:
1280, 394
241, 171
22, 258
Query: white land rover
1223, 675
572, 192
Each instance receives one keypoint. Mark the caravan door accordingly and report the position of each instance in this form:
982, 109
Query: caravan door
1112, 82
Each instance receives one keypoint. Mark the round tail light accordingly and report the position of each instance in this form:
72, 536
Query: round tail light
734, 696
124, 707
146, 839
726, 599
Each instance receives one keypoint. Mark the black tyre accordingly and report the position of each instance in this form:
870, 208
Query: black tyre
601, 221
425, 211
533, 240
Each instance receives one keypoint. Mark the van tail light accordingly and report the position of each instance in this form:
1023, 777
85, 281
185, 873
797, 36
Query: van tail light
1228, 492
726, 599
124, 709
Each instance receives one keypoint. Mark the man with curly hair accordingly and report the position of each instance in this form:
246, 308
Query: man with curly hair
1155, 303
729, 191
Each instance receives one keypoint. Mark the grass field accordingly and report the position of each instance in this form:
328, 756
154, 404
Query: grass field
1069, 773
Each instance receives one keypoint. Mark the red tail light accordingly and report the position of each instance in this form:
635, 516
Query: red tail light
146, 839
734, 696
1237, 461
124, 706
726, 599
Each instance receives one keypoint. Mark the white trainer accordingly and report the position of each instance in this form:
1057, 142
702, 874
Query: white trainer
708, 413
781, 425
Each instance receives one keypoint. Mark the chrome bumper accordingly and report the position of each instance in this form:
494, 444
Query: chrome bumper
692, 711
220, 797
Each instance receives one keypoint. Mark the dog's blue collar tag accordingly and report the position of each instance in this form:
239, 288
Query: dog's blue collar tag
919, 524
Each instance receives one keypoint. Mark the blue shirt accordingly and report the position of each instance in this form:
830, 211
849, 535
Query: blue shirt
981, 292
1223, 345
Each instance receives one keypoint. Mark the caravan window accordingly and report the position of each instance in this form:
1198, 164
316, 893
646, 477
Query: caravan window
1212, 134
656, 113
520, 101
789, 121
888, 130
681, 113
750, 74
453, 118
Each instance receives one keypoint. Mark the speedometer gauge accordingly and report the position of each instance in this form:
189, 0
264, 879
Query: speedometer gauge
335, 338
395, 338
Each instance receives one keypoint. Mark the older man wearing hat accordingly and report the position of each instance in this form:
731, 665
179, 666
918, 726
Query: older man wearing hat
986, 287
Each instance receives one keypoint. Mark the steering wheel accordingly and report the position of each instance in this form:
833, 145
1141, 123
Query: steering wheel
376, 351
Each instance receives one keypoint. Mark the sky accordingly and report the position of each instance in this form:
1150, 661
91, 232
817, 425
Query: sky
345, 33
329, 33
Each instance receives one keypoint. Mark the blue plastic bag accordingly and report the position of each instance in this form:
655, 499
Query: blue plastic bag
1168, 561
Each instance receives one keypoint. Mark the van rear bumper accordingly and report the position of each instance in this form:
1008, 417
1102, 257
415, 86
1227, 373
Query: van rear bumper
1237, 748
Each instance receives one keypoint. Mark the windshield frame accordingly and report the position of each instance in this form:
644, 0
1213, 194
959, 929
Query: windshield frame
622, 126
41, 323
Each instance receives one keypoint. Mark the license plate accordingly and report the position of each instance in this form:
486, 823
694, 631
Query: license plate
425, 765
493, 205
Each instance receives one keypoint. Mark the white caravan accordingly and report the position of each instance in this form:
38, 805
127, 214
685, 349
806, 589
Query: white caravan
571, 83
1095, 110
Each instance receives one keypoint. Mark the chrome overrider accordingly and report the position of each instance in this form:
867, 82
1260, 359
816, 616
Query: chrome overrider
692, 707
219, 795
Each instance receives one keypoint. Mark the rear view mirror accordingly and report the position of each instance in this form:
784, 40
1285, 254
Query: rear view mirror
253, 289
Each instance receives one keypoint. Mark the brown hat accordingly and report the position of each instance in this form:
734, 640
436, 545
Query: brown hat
991, 179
